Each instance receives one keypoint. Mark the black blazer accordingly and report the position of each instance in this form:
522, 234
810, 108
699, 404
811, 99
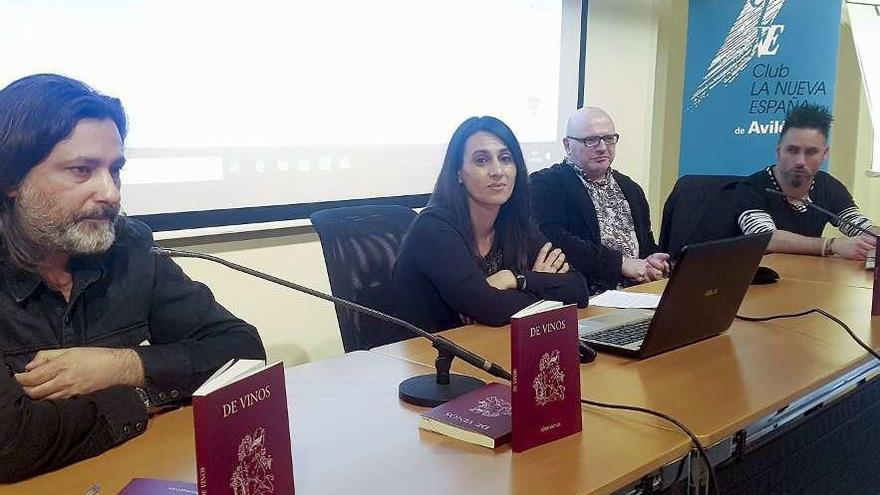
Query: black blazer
565, 213
439, 277
700, 208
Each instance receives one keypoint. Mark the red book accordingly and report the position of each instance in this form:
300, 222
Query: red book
481, 416
242, 432
150, 486
546, 384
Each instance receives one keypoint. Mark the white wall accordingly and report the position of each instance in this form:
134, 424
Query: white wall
295, 327
621, 63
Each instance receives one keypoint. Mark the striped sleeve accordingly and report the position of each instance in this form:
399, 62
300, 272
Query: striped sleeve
852, 216
755, 221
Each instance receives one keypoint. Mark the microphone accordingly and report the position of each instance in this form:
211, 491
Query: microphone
424, 390
809, 203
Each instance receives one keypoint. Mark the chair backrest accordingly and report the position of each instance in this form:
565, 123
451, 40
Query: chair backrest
700, 208
360, 244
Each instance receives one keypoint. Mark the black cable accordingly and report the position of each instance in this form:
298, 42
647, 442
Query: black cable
823, 313
711, 481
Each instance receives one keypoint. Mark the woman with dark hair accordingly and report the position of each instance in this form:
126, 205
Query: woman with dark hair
473, 255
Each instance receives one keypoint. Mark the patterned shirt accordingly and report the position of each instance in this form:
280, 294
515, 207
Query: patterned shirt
617, 230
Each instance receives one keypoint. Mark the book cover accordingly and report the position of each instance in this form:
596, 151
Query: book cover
243, 436
481, 416
546, 384
151, 486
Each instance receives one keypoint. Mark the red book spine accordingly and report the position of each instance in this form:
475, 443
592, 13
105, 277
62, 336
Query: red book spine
200, 413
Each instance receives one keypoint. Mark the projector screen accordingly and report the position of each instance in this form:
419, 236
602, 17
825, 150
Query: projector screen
252, 104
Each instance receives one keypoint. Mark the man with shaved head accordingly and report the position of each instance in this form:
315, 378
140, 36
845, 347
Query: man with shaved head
598, 216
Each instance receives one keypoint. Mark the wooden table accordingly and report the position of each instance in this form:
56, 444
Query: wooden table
831, 269
351, 434
720, 385
165, 451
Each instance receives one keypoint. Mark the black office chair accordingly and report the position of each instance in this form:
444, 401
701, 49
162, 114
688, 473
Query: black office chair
360, 244
699, 208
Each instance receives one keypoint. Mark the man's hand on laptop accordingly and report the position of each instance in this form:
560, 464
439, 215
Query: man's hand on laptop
658, 266
634, 269
654, 267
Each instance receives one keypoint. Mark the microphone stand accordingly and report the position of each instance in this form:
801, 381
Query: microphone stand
424, 390
806, 201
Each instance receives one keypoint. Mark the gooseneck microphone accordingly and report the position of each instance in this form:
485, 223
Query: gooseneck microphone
809, 204
424, 390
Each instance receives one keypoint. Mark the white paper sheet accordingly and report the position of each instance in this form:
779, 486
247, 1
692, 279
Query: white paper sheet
620, 299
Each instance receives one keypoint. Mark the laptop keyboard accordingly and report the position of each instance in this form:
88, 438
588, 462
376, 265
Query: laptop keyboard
622, 335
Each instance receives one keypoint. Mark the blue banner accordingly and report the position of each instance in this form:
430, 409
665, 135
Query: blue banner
748, 62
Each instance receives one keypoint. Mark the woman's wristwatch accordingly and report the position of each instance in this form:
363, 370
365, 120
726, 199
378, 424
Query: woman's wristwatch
520, 280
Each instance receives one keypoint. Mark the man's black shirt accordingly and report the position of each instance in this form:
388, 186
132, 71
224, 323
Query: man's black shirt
826, 191
124, 298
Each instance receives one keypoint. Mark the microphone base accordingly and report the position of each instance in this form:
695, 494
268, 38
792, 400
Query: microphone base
424, 390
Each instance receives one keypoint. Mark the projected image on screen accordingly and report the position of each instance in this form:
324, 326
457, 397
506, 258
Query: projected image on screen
253, 103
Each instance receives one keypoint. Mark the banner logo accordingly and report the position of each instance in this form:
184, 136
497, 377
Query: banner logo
768, 39
748, 63
753, 33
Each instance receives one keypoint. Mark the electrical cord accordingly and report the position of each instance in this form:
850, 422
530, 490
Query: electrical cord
711, 481
821, 312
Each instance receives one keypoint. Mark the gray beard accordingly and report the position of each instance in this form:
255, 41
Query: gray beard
52, 229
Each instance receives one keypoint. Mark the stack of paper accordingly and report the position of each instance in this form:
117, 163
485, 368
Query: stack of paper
621, 299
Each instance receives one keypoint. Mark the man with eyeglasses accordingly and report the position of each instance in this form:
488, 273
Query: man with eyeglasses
797, 229
598, 216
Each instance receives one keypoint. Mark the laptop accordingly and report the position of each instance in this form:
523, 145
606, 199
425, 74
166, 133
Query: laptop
703, 294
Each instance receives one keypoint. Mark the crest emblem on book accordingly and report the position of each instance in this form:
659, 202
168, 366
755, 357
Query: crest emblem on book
549, 383
492, 407
253, 474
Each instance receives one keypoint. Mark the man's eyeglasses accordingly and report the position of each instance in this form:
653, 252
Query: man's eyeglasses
593, 141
